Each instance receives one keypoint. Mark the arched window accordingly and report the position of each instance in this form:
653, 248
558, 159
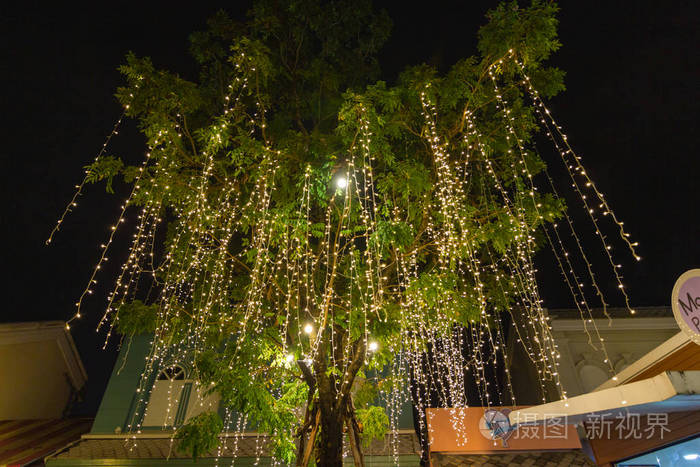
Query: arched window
172, 373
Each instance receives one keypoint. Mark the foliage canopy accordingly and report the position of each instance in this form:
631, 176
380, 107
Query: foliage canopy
321, 225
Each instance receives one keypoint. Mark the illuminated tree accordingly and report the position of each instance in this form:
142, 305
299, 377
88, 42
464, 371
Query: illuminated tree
301, 224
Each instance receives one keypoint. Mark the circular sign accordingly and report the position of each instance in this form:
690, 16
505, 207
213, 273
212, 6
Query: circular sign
685, 301
494, 424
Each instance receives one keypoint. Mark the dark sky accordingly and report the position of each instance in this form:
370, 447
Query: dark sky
630, 110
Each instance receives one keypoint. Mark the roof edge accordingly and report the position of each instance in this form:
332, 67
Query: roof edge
645, 362
36, 331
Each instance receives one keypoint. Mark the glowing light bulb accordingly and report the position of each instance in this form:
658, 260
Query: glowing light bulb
342, 182
373, 346
290, 358
308, 329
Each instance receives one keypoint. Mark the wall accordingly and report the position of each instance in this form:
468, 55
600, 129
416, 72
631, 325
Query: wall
119, 400
116, 406
582, 366
34, 384
39, 369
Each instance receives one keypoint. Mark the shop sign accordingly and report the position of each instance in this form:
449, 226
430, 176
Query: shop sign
685, 301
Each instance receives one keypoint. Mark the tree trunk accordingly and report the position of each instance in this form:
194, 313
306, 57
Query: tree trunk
354, 438
306, 448
329, 450
333, 399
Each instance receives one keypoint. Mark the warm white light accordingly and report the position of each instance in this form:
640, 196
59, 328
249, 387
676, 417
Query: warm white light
373, 346
691, 457
342, 182
290, 358
308, 329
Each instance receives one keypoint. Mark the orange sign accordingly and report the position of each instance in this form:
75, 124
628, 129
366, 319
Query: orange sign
485, 430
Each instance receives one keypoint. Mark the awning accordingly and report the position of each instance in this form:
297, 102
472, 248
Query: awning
670, 391
679, 353
25, 441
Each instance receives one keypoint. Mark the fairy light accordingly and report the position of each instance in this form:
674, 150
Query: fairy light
79, 188
575, 293
324, 264
573, 164
105, 248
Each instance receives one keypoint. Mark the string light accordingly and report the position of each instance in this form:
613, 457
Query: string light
79, 188
303, 284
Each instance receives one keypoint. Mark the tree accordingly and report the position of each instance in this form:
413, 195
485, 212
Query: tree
322, 224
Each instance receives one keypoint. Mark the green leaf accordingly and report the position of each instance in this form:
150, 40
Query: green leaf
104, 168
200, 434
374, 422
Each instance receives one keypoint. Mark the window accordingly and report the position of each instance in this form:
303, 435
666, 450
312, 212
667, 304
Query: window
686, 453
175, 399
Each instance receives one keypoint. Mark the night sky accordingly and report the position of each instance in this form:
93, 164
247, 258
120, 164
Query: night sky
630, 109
